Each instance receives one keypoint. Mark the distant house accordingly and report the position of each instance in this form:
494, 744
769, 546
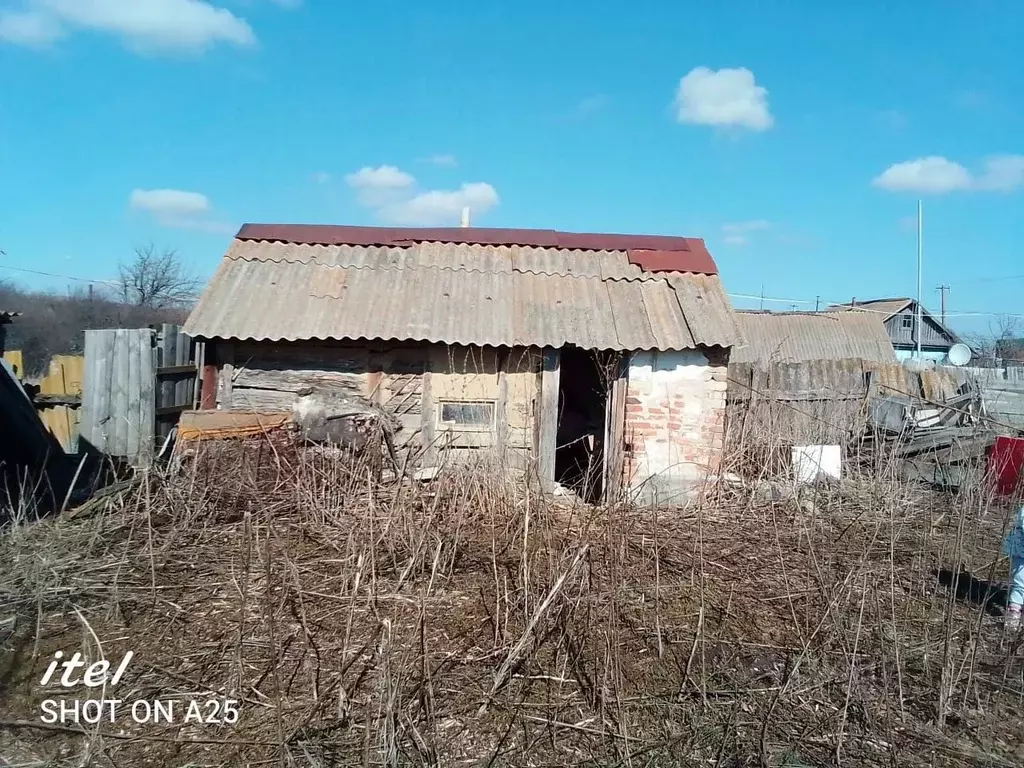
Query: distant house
475, 341
797, 337
900, 318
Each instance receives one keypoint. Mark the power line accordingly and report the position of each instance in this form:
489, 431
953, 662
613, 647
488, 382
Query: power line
55, 274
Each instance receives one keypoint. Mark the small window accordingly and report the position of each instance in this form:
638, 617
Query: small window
463, 415
908, 321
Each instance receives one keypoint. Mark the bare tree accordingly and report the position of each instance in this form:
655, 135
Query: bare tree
156, 280
1001, 341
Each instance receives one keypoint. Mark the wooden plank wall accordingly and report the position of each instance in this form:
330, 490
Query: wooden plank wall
408, 381
64, 377
118, 393
14, 359
176, 372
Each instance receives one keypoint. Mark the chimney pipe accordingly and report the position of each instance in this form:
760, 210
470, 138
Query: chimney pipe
465, 217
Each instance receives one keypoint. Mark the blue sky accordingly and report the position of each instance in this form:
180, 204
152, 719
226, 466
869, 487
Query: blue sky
795, 137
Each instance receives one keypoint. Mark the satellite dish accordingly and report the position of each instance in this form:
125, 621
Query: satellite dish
959, 354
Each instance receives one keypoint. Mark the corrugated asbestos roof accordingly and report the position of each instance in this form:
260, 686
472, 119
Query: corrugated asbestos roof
884, 307
793, 337
655, 253
7, 315
458, 293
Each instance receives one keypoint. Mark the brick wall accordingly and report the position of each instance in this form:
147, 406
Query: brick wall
675, 419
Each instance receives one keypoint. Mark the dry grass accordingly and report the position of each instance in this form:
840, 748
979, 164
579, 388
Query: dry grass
471, 622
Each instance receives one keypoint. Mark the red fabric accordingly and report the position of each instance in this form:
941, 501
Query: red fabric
1006, 464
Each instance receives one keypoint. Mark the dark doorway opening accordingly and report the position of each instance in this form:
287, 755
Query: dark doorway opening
583, 385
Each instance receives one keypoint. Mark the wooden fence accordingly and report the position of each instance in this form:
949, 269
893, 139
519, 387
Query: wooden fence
136, 384
59, 399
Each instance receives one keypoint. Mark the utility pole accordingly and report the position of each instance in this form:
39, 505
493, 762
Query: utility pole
762, 297
817, 303
943, 291
920, 264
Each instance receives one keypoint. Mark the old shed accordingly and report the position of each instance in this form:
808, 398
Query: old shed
580, 355
802, 377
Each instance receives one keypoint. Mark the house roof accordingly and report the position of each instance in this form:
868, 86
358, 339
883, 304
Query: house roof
886, 308
7, 315
484, 287
791, 337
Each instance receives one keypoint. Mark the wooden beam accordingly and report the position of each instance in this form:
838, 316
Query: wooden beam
427, 431
615, 430
165, 371
226, 358
167, 410
547, 425
501, 408
208, 379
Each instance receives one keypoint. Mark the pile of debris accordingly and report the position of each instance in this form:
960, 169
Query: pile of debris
941, 441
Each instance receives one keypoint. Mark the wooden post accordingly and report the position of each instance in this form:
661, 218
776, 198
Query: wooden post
615, 429
427, 431
547, 426
501, 409
226, 357
208, 387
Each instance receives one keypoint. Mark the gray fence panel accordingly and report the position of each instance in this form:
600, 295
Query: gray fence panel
118, 403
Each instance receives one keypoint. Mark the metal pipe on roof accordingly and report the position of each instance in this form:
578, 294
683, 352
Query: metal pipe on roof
465, 217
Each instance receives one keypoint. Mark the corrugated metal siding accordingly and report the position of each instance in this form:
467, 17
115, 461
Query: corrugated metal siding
462, 294
791, 337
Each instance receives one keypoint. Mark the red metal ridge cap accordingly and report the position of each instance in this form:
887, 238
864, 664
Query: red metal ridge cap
652, 253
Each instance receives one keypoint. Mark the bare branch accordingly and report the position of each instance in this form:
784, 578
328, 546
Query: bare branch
157, 280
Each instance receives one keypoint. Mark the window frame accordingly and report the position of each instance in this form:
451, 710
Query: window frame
907, 321
467, 427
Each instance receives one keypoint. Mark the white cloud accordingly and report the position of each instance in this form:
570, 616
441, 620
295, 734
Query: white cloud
442, 206
592, 104
391, 193
177, 208
739, 232
723, 98
28, 28
381, 185
168, 202
152, 26
938, 175
1003, 173
443, 161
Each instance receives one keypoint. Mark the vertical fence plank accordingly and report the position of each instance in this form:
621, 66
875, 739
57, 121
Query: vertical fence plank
147, 356
96, 389
133, 391
181, 383
165, 386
